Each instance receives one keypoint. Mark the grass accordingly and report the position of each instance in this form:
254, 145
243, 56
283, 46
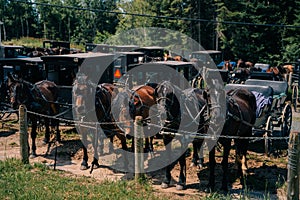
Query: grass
36, 181
34, 42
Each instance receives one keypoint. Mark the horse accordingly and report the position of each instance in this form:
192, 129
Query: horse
249, 64
130, 103
170, 113
240, 64
198, 115
104, 93
40, 98
278, 72
240, 118
175, 58
38, 52
141, 100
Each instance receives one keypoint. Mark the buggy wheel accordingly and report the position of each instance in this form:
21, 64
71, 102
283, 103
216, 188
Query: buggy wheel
295, 97
286, 120
269, 131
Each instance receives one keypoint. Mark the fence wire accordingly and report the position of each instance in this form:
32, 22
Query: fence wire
172, 132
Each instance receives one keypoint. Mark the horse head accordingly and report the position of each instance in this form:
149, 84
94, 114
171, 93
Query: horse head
167, 99
82, 89
19, 91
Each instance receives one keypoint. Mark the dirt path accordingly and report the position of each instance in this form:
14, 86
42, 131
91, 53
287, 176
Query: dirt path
265, 174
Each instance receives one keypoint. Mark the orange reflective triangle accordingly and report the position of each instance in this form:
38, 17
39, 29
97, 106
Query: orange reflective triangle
117, 73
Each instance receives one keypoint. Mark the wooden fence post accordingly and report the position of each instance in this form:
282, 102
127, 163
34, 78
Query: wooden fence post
24, 146
293, 167
138, 147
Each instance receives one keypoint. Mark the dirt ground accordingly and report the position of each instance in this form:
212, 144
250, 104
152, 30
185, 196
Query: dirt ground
266, 174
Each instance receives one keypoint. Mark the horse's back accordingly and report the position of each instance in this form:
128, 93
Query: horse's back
49, 89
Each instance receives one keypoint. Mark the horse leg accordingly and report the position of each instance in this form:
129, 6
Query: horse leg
84, 163
56, 122
241, 153
124, 147
95, 163
53, 111
182, 176
47, 133
33, 137
212, 165
111, 144
195, 154
167, 179
226, 146
149, 145
201, 159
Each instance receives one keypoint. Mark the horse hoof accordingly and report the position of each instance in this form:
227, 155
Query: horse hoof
180, 187
209, 189
96, 165
164, 185
84, 167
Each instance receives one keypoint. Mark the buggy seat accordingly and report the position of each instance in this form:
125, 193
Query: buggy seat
279, 88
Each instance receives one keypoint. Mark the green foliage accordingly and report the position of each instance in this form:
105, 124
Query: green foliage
256, 43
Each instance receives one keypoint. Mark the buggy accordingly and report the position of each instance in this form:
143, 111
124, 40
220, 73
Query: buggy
274, 118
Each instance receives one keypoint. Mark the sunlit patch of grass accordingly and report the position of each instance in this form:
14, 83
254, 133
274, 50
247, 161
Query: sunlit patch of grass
37, 181
34, 42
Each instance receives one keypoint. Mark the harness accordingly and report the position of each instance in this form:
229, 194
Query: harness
106, 111
230, 99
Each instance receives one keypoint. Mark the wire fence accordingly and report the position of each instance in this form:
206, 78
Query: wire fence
172, 132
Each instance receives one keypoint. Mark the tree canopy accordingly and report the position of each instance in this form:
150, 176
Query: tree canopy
259, 31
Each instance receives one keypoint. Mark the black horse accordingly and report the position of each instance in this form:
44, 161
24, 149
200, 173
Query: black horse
40, 98
168, 101
195, 101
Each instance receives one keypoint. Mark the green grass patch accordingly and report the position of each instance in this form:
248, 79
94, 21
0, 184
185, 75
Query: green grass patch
37, 181
34, 42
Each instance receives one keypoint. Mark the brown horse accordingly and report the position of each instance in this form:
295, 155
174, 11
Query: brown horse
103, 94
38, 52
137, 101
40, 98
142, 100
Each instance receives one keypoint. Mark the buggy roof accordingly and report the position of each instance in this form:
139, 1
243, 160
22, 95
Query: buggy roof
175, 63
206, 52
77, 55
